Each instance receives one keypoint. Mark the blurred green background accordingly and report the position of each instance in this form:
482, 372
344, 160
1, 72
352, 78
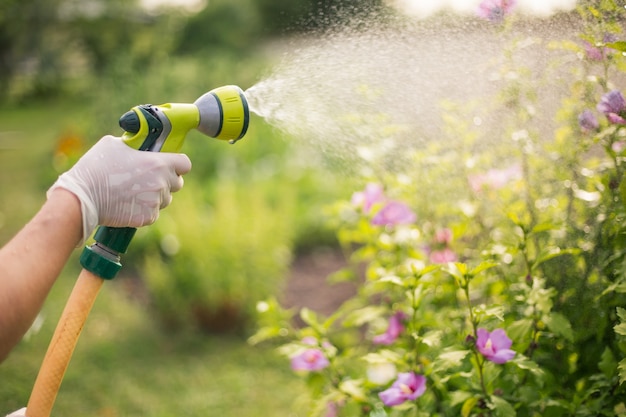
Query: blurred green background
168, 336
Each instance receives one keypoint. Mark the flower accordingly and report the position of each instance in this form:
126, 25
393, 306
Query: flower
407, 387
598, 53
372, 194
494, 346
394, 329
443, 236
311, 359
588, 121
393, 213
443, 256
612, 105
495, 178
495, 10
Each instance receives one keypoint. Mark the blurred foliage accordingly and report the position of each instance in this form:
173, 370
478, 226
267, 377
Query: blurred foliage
57, 46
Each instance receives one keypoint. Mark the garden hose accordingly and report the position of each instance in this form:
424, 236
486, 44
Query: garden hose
222, 113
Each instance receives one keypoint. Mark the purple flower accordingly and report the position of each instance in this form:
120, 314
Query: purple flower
407, 387
598, 53
612, 104
312, 359
393, 213
372, 194
394, 329
588, 121
495, 10
495, 346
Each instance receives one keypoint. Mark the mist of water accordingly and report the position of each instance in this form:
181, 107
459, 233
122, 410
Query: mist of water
372, 92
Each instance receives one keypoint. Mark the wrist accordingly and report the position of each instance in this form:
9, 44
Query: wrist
63, 209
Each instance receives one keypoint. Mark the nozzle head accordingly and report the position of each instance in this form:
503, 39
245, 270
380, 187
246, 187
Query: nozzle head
224, 113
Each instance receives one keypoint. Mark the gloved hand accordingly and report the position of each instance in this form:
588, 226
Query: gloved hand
122, 187
18, 413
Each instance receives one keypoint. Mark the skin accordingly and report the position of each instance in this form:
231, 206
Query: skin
28, 268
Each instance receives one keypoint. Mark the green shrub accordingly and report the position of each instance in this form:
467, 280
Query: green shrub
213, 254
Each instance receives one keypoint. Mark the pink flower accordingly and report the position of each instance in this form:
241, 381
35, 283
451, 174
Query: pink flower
443, 236
494, 346
309, 360
618, 146
372, 194
394, 329
495, 178
394, 213
613, 106
443, 256
407, 387
495, 10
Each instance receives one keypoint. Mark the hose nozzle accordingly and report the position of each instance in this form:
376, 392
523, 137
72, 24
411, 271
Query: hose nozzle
222, 113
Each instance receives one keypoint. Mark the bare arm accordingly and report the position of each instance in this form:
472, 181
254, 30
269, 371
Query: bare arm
112, 185
31, 262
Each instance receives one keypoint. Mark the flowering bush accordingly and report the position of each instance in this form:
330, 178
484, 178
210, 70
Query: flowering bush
500, 294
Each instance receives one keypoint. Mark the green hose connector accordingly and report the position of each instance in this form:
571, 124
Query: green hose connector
103, 257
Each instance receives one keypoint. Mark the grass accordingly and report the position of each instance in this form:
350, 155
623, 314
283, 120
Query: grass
124, 364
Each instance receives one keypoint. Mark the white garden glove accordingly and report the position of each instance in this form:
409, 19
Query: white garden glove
18, 413
120, 186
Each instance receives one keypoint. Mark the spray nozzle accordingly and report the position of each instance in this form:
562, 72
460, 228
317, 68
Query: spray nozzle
222, 113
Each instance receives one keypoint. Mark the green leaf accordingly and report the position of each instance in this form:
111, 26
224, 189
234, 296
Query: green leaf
378, 412
364, 315
384, 356
450, 359
483, 312
310, 318
523, 362
502, 407
354, 388
607, 363
622, 371
552, 253
457, 269
619, 287
560, 325
618, 46
520, 330
543, 227
482, 267
392, 279
266, 333
620, 329
468, 406
621, 313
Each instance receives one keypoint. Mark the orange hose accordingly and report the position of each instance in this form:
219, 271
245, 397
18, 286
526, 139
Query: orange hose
62, 344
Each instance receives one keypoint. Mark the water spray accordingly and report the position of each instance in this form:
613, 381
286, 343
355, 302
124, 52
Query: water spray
221, 113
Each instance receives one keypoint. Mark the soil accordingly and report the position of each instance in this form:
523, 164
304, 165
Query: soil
308, 286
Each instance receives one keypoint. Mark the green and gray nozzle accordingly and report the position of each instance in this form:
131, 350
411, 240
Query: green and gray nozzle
222, 113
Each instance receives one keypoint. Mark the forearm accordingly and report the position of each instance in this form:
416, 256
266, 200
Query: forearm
31, 262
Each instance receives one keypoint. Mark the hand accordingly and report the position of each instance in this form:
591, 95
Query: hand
18, 413
122, 187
